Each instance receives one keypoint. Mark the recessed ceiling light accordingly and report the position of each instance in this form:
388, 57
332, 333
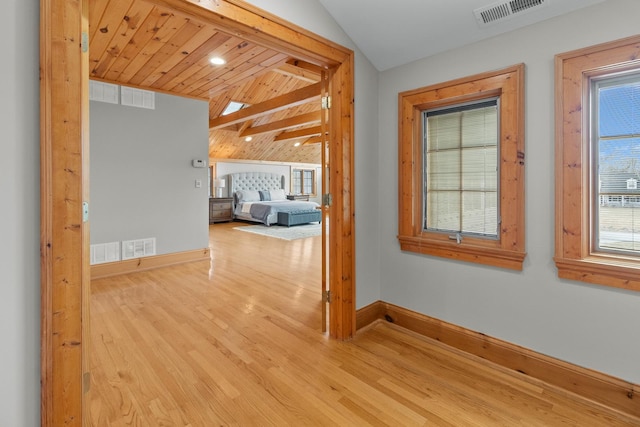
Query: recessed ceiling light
248, 139
216, 60
297, 144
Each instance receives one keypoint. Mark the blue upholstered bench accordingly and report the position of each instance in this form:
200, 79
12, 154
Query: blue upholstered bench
299, 217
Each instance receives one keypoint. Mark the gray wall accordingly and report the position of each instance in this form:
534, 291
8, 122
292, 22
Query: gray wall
142, 180
20, 225
589, 325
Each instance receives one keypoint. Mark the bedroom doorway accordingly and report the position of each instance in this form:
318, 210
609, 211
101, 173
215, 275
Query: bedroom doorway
65, 181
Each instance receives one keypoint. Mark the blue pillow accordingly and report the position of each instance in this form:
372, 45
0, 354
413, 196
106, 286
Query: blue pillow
265, 196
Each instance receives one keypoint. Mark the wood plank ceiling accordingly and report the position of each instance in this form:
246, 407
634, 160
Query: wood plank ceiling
139, 44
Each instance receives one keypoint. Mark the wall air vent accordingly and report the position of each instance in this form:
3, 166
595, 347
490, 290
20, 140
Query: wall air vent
104, 92
104, 252
498, 12
137, 98
138, 248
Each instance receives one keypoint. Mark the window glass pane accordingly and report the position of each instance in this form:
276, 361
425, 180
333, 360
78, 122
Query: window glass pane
480, 213
461, 169
444, 132
307, 181
302, 181
480, 127
443, 169
444, 213
297, 182
619, 107
480, 168
617, 165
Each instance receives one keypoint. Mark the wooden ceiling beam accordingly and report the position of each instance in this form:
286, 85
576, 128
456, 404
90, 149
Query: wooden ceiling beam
313, 140
282, 102
242, 127
283, 124
261, 28
312, 68
301, 70
300, 133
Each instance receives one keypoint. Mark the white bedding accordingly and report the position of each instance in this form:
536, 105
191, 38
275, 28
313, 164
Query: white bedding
245, 207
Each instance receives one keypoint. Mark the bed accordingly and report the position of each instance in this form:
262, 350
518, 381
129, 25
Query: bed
260, 197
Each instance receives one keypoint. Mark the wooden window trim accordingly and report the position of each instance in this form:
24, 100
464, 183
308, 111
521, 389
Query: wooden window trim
294, 171
508, 250
574, 256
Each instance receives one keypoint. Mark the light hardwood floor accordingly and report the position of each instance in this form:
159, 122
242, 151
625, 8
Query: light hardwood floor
237, 342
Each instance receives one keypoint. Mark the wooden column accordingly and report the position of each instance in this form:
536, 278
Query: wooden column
63, 264
342, 314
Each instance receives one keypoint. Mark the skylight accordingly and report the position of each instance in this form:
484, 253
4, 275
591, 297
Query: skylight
232, 107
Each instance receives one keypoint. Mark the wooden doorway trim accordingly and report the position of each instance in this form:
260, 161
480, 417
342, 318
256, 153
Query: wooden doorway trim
64, 180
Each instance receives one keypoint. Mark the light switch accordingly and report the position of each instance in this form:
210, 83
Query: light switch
198, 183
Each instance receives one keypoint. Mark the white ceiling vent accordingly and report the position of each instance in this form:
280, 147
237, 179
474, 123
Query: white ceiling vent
498, 12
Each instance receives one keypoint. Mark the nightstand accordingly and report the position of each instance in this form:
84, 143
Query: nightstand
304, 197
220, 209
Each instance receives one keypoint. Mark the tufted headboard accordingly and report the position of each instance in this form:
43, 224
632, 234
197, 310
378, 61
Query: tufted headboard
255, 181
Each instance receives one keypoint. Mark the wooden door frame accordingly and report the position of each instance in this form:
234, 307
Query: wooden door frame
64, 179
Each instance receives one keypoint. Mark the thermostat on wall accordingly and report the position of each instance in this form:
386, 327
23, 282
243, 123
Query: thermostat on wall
199, 163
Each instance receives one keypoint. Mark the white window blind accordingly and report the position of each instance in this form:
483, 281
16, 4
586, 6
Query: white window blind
461, 169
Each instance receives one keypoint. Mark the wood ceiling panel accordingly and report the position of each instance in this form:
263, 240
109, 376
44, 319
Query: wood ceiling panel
96, 11
251, 69
237, 61
251, 92
105, 17
222, 147
112, 36
139, 44
175, 52
156, 30
219, 44
165, 51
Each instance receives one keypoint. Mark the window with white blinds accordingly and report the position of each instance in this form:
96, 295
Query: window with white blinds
461, 169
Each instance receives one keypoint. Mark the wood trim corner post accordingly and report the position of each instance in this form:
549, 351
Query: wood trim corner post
64, 235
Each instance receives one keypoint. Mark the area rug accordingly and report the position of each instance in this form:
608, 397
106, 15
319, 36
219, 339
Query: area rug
282, 232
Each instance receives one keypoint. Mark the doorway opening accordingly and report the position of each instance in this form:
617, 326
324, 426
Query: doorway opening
64, 180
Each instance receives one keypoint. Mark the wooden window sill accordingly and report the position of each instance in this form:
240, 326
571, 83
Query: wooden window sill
496, 256
601, 270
